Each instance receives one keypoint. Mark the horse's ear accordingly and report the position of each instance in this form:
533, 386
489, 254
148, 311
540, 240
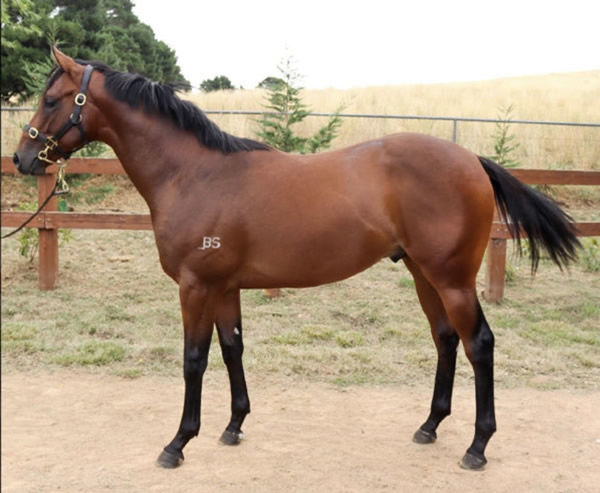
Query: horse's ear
65, 62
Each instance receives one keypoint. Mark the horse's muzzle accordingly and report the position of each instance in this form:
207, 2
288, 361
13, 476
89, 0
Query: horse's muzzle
34, 167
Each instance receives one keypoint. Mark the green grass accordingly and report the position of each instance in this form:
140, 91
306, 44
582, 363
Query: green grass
306, 335
351, 338
590, 256
95, 353
406, 282
20, 339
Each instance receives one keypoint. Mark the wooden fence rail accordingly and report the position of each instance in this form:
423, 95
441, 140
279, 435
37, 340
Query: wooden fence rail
49, 220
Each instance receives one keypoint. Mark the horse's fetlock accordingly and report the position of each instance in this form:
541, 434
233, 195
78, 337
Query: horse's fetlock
240, 405
485, 428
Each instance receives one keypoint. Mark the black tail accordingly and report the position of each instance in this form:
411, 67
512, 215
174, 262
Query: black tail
545, 223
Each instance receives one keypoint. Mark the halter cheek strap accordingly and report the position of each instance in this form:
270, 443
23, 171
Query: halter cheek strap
74, 120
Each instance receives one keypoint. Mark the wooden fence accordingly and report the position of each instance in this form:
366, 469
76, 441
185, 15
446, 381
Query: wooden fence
495, 266
50, 220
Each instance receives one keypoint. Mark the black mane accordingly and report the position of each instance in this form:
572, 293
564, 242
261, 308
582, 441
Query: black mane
137, 91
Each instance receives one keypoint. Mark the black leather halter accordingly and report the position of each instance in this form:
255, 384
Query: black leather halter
51, 143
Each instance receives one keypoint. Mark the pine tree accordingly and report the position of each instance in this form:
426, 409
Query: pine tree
504, 145
287, 109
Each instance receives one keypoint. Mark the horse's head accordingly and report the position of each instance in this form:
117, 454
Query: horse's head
58, 127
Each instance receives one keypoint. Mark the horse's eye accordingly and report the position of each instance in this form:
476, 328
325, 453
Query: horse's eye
50, 103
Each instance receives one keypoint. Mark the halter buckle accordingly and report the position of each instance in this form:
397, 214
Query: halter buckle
80, 99
33, 133
51, 144
75, 121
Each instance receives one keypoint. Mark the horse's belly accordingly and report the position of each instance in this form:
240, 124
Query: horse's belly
313, 260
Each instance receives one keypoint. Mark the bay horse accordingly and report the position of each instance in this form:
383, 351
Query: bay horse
230, 213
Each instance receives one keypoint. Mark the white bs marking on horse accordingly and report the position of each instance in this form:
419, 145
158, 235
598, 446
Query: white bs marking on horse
210, 242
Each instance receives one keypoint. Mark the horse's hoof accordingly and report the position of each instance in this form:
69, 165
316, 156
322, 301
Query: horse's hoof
170, 460
231, 437
424, 437
472, 462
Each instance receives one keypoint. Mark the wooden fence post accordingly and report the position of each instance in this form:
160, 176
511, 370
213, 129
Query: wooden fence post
495, 266
48, 238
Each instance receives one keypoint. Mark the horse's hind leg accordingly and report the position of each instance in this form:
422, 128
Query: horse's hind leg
446, 341
465, 314
229, 327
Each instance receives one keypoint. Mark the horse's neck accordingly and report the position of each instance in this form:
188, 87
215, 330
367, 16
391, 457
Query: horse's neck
148, 150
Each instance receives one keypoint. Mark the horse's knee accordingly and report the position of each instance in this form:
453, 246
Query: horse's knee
446, 341
232, 352
195, 361
232, 346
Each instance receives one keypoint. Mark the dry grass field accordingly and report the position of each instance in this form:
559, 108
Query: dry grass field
570, 97
561, 97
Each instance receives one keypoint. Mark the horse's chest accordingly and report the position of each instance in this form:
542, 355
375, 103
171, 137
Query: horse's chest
208, 252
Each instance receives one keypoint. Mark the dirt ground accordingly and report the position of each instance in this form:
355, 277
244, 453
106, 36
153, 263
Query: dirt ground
83, 432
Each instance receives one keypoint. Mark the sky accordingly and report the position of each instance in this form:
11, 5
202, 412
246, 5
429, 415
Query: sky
360, 43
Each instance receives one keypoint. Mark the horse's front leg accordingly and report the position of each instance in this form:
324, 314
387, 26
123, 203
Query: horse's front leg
198, 310
229, 327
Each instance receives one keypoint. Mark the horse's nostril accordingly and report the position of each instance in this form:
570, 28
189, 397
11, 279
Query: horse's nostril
16, 159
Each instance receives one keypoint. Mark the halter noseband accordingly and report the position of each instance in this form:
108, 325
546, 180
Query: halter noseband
51, 143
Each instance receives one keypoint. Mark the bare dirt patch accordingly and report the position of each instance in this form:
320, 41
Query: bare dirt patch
67, 431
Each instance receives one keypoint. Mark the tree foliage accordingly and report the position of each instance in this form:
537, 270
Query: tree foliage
287, 109
504, 142
219, 83
271, 82
106, 30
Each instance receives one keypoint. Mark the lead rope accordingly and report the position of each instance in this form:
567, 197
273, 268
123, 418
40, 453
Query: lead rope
60, 188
